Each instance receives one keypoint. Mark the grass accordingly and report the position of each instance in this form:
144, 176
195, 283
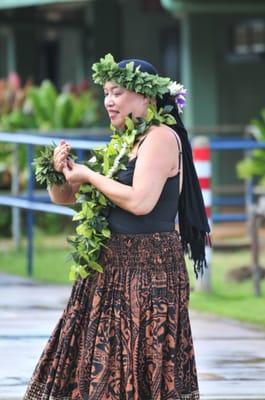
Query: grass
227, 298
50, 259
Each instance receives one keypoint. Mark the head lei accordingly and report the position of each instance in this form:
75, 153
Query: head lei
131, 77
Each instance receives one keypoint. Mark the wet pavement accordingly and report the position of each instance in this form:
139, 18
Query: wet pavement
230, 355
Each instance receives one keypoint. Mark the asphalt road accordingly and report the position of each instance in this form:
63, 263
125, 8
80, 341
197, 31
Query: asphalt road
230, 355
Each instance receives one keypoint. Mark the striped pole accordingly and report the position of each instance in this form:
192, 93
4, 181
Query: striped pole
202, 161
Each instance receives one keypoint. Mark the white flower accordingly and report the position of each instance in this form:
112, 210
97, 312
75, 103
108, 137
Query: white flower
92, 159
179, 92
117, 160
174, 88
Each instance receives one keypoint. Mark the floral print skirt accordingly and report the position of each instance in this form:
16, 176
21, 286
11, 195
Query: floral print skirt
125, 334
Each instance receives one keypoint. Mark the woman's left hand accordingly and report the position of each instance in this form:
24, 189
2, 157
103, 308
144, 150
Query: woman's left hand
75, 173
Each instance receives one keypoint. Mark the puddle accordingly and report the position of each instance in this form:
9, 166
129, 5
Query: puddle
254, 360
12, 381
205, 376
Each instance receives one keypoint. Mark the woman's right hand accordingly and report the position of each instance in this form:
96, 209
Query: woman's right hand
60, 155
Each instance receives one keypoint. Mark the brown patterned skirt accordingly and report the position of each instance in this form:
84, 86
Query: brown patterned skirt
124, 334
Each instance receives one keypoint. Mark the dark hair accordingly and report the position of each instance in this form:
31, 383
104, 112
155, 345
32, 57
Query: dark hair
145, 66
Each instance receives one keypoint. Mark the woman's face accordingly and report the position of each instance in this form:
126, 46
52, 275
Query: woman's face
120, 102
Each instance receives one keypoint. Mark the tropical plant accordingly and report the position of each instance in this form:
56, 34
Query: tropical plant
43, 108
254, 166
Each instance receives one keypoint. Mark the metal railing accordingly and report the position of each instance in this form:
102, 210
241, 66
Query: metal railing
31, 202
231, 144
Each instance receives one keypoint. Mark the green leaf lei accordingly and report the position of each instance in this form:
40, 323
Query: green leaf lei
44, 168
93, 231
129, 77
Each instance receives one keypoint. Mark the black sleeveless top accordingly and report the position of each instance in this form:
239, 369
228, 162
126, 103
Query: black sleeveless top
160, 219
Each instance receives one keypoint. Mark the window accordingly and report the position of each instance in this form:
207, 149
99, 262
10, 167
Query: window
249, 37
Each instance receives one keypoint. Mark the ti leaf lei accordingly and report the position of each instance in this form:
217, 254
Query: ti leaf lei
93, 230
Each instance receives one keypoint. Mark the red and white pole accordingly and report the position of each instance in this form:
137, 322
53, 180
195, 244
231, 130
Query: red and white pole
202, 161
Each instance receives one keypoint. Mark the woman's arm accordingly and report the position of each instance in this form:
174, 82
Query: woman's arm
156, 158
63, 194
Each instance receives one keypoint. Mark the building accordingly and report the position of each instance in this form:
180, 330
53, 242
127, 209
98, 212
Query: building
215, 47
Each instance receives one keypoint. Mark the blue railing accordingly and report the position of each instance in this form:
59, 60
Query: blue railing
32, 202
232, 144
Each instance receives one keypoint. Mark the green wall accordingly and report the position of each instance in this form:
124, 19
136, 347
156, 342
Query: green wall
241, 82
26, 55
222, 90
142, 31
127, 30
199, 70
71, 56
241, 87
3, 52
204, 67
106, 28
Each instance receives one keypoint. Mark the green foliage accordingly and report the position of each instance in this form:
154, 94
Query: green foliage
230, 298
44, 169
40, 108
58, 111
93, 230
5, 221
254, 167
52, 224
129, 77
44, 108
16, 120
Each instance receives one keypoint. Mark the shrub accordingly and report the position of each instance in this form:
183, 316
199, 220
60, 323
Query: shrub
254, 167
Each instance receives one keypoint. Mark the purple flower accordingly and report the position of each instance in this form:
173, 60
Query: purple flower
179, 92
180, 98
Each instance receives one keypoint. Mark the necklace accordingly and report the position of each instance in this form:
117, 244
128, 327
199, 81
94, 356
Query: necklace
92, 230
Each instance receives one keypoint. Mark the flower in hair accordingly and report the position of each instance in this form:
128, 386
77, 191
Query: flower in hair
174, 88
180, 93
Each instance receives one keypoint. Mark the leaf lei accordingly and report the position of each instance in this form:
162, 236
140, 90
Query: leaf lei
44, 168
129, 77
93, 230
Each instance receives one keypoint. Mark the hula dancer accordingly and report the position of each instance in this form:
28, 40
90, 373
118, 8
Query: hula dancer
125, 333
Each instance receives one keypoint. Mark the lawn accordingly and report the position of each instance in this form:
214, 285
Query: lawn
228, 298
51, 261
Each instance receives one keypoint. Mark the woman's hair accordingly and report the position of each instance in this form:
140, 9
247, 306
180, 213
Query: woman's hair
167, 99
143, 65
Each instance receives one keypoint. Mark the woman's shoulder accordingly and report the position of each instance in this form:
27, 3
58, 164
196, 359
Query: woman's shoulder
158, 141
162, 134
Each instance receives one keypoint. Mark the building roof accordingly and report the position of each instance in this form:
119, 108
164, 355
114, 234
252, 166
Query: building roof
6, 4
214, 6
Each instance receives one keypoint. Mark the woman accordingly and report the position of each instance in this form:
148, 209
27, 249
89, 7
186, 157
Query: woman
125, 333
